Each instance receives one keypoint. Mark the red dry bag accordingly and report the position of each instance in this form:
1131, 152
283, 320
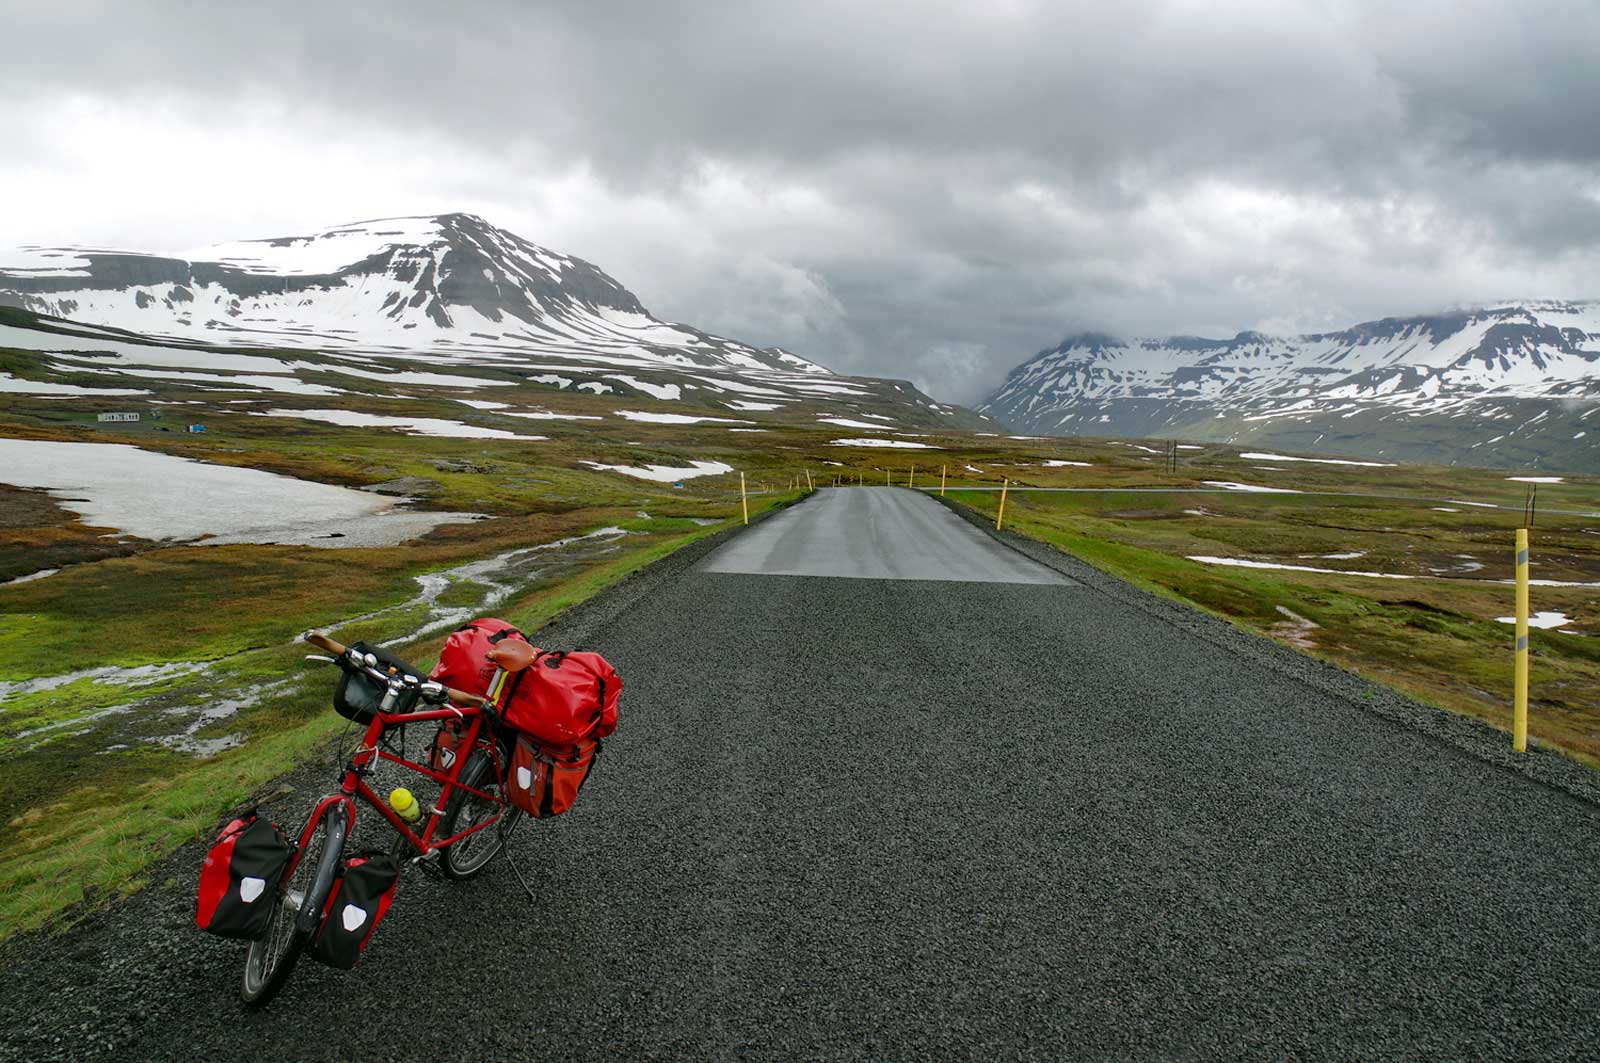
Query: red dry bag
564, 698
464, 662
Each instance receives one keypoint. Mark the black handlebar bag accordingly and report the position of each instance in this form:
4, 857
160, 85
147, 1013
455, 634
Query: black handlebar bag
360, 897
359, 695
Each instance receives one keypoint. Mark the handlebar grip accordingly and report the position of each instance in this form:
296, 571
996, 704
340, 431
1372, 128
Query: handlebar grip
461, 697
317, 638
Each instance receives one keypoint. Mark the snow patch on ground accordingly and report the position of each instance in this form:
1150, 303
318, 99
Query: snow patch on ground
547, 415
44, 387
845, 422
746, 406
424, 426
902, 444
674, 418
1229, 485
1241, 562
1254, 456
665, 473
1540, 620
1054, 464
1537, 479
659, 391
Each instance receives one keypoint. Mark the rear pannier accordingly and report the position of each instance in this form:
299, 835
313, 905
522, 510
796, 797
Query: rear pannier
544, 782
564, 698
464, 661
360, 897
239, 878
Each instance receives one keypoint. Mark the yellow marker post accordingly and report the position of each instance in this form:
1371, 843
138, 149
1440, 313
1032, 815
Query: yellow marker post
809, 485
911, 480
1519, 715
744, 503
942, 469
886, 478
1002, 514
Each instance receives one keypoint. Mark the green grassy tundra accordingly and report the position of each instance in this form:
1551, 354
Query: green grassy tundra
194, 696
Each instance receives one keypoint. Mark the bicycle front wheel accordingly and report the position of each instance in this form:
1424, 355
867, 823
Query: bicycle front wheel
272, 957
470, 855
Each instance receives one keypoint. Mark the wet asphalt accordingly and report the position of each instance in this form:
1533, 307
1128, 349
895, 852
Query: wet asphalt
894, 819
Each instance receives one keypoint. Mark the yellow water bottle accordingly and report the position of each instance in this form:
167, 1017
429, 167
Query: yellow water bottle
404, 804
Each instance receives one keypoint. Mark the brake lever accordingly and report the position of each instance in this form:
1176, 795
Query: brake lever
324, 658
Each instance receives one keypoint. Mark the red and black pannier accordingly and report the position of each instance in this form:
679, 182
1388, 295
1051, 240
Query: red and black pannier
361, 895
239, 878
563, 699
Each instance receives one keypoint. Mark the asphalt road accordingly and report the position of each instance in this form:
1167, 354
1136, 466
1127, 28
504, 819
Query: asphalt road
872, 534
888, 819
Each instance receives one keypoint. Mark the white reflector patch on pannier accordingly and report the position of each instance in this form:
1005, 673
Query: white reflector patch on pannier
524, 779
354, 917
250, 888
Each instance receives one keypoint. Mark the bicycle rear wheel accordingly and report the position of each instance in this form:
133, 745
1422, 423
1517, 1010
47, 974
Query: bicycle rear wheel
470, 855
272, 957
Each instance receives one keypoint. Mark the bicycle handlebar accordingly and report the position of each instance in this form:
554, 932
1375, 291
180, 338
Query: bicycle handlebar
458, 697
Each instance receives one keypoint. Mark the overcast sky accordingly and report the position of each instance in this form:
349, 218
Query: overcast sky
932, 191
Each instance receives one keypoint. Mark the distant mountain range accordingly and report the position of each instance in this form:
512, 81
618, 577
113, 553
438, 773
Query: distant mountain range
1511, 385
444, 289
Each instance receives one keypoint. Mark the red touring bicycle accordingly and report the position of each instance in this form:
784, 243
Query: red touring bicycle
459, 835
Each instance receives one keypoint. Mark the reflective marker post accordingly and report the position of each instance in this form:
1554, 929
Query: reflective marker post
809, 485
1002, 514
942, 469
744, 503
1519, 716
911, 480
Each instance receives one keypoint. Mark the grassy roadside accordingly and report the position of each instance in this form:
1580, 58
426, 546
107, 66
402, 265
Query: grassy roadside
92, 841
1432, 636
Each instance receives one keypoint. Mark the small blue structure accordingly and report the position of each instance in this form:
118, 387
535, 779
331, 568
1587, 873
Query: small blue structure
197, 428
678, 486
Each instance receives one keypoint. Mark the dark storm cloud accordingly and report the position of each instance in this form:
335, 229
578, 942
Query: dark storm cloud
929, 191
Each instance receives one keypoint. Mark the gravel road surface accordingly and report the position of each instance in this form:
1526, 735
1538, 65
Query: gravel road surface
893, 819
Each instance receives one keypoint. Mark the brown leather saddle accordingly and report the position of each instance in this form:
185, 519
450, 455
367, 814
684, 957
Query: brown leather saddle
513, 655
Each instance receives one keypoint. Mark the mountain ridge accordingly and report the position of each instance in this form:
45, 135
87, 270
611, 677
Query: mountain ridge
1419, 387
441, 283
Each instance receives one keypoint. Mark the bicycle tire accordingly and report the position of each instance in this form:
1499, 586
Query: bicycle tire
469, 856
271, 958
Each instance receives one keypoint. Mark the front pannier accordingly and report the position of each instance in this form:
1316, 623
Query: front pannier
564, 698
239, 878
360, 897
544, 782
359, 695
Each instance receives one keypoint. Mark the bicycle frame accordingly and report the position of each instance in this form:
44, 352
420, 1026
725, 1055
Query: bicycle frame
354, 788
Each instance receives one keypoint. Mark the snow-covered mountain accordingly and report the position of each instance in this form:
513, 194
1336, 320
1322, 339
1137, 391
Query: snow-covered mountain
1507, 385
451, 284
384, 298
